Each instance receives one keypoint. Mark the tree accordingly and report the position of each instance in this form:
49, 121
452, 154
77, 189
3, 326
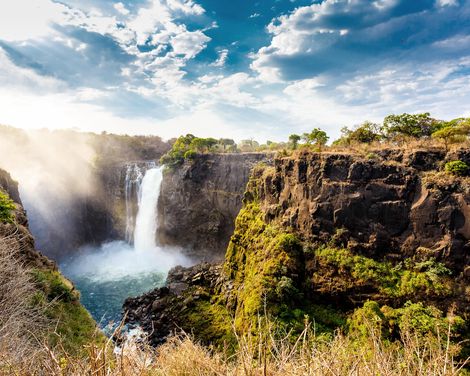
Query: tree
409, 125
226, 142
453, 131
203, 145
316, 137
294, 141
248, 145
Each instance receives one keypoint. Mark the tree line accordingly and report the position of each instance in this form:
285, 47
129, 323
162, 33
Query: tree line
395, 129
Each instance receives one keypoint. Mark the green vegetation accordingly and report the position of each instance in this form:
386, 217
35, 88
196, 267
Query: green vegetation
458, 168
410, 279
211, 321
7, 206
261, 260
416, 318
366, 133
74, 325
294, 141
411, 125
316, 137
453, 132
187, 147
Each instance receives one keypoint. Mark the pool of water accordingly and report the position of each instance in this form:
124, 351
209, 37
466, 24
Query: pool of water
104, 299
107, 275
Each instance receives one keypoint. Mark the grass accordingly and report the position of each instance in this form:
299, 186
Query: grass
273, 354
74, 326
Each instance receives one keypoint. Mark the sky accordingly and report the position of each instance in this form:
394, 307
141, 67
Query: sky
238, 68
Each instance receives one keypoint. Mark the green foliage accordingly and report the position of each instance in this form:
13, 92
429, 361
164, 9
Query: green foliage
316, 137
262, 261
211, 321
411, 125
7, 206
453, 131
74, 324
294, 141
189, 146
365, 133
458, 168
412, 318
430, 277
55, 286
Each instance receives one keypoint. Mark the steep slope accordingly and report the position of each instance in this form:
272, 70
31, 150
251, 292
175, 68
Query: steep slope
53, 301
320, 235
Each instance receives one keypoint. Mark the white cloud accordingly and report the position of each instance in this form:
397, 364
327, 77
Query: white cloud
25, 19
445, 3
222, 59
14, 76
121, 8
189, 43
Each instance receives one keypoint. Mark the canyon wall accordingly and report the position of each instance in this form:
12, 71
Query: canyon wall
200, 200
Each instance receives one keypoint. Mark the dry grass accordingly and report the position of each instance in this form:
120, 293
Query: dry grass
24, 349
307, 355
21, 322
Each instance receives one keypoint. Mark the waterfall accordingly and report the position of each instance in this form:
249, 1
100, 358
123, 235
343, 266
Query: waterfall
135, 173
146, 220
132, 184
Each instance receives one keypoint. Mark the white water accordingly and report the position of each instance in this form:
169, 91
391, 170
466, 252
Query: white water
116, 270
146, 221
132, 184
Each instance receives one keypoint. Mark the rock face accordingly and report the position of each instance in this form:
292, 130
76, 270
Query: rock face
320, 235
200, 200
377, 207
163, 310
18, 233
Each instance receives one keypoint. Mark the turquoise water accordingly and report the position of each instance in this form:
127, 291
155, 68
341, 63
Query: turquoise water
104, 299
107, 275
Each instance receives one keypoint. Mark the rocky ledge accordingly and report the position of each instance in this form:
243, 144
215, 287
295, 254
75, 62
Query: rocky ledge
165, 310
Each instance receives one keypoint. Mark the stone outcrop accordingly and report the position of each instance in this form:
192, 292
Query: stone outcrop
163, 310
377, 207
17, 233
200, 200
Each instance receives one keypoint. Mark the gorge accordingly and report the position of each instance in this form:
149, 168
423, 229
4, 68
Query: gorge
209, 244
110, 273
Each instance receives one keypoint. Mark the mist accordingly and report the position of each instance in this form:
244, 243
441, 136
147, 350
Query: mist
54, 169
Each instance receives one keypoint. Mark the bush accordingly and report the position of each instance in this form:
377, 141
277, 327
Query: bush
458, 168
7, 205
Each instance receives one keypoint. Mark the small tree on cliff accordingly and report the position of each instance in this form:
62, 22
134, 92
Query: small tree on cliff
410, 125
316, 137
294, 141
454, 131
226, 142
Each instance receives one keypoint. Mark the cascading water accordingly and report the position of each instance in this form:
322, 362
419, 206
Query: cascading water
132, 193
146, 221
108, 275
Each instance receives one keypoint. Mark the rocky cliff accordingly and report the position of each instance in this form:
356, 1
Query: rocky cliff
318, 236
17, 231
200, 200
56, 312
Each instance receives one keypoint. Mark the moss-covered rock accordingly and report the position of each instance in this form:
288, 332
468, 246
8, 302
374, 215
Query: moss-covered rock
74, 326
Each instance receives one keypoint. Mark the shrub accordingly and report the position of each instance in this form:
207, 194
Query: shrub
411, 125
7, 205
458, 168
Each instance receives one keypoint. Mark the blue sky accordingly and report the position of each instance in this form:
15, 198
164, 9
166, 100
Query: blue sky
242, 69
